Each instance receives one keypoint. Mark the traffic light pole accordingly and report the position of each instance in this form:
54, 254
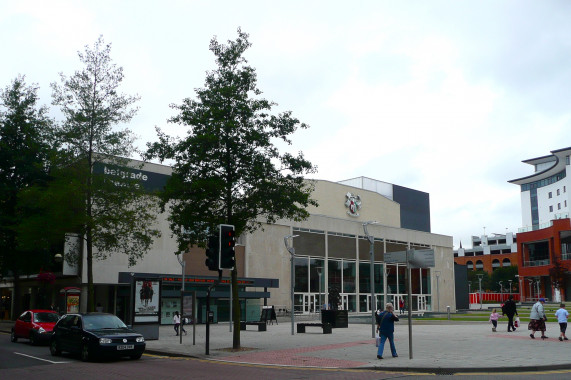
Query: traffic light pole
208, 311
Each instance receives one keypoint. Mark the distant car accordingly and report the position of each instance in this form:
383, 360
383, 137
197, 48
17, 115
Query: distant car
35, 325
94, 336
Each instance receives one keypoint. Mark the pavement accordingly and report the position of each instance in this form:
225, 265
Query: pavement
442, 347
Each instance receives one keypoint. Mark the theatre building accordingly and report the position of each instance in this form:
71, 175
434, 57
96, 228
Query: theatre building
332, 250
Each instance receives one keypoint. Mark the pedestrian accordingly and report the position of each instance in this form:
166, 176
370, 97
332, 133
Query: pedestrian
510, 310
537, 319
183, 320
562, 316
176, 321
401, 306
494, 319
386, 327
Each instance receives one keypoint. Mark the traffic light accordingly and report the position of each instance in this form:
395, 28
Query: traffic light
227, 243
212, 252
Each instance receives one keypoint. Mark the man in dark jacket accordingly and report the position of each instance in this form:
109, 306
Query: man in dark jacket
386, 327
509, 309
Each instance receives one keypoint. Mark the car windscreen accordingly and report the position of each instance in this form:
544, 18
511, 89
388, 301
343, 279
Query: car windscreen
99, 322
46, 317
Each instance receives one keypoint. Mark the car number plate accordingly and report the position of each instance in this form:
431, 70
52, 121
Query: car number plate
125, 347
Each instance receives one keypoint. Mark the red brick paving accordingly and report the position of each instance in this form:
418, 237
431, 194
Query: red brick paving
296, 357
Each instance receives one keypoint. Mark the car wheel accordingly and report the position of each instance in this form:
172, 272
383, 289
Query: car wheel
85, 354
33, 339
13, 336
54, 348
136, 356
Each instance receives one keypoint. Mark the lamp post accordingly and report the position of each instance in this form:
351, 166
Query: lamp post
371, 240
530, 283
480, 288
510, 282
319, 273
501, 290
437, 289
183, 265
291, 250
519, 288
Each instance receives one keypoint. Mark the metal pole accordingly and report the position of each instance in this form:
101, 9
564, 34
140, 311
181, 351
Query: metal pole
480, 289
371, 240
230, 327
409, 282
291, 250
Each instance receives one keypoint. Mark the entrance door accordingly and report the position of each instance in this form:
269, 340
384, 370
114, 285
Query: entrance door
309, 304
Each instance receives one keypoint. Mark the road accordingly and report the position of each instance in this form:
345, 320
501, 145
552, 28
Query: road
21, 361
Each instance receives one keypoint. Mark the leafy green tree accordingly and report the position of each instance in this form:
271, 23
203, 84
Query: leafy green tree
116, 215
25, 135
227, 169
503, 274
473, 278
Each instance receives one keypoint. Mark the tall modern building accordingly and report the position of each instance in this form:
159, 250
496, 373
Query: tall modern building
544, 241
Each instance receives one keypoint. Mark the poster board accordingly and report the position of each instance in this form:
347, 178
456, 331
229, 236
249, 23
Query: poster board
147, 295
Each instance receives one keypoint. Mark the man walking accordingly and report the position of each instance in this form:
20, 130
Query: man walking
510, 310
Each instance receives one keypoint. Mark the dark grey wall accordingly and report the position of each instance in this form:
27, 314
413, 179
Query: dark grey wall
414, 208
461, 286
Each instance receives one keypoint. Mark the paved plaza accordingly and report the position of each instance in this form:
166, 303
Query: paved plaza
437, 347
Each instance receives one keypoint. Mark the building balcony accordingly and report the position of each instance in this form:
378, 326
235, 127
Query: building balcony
536, 263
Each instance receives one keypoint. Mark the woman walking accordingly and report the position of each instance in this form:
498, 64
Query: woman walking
386, 327
537, 319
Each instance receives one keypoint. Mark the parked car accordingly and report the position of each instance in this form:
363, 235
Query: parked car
96, 335
35, 325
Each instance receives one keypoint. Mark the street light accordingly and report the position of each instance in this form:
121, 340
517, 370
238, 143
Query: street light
371, 240
291, 250
501, 291
437, 289
510, 282
480, 288
319, 273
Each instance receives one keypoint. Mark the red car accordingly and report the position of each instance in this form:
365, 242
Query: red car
36, 325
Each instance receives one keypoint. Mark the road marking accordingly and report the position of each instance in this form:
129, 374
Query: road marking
34, 357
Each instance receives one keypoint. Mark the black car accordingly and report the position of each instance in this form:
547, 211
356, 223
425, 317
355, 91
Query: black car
96, 335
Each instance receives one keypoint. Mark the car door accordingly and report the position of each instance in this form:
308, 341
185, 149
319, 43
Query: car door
75, 335
62, 332
23, 325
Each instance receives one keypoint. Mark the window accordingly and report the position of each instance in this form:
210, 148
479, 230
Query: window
558, 192
564, 189
479, 265
550, 208
559, 206
565, 203
550, 195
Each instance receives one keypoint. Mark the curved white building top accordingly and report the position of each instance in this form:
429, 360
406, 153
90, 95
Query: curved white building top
546, 166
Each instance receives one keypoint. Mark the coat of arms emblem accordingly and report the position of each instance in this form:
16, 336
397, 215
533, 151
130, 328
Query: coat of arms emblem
353, 202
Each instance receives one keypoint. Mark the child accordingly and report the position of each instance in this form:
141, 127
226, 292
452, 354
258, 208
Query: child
562, 316
494, 319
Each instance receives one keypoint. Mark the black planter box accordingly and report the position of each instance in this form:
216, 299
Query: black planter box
336, 318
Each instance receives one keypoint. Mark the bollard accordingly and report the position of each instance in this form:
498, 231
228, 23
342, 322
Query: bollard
448, 310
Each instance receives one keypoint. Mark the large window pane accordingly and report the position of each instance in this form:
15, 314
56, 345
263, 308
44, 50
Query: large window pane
349, 276
364, 277
301, 275
334, 269
379, 278
314, 264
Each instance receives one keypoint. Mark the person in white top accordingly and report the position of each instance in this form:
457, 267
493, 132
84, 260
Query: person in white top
176, 321
562, 316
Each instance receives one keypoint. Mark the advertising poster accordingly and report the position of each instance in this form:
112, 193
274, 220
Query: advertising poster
72, 303
147, 297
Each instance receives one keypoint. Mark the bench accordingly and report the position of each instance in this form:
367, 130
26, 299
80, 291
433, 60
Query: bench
325, 326
261, 325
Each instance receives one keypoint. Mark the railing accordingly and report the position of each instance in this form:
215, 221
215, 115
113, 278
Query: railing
535, 227
536, 263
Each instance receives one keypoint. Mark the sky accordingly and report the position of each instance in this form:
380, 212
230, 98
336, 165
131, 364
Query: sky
445, 97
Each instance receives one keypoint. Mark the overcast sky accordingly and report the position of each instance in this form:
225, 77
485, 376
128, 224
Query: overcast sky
446, 97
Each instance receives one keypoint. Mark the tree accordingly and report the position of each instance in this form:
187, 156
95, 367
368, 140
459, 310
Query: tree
558, 274
227, 169
116, 215
25, 147
473, 278
503, 274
